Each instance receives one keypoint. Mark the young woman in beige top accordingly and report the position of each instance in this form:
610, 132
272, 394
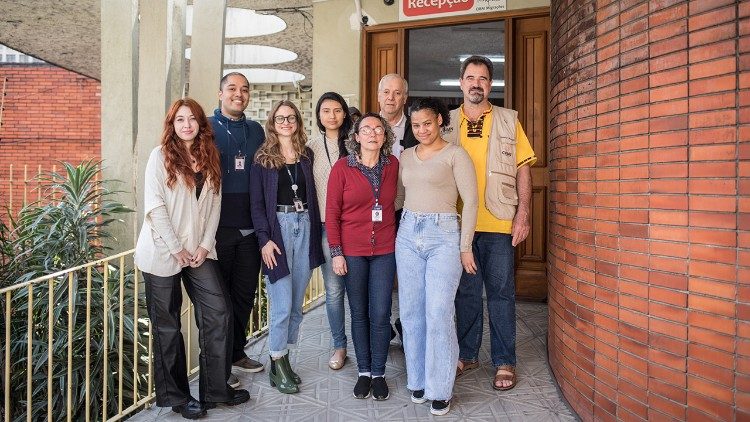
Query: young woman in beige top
433, 246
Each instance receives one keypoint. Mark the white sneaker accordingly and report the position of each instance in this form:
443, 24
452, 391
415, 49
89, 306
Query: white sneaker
440, 407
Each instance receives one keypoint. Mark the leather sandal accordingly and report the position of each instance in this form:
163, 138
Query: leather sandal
337, 363
508, 374
465, 366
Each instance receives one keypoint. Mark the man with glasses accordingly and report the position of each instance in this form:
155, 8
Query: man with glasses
236, 243
502, 157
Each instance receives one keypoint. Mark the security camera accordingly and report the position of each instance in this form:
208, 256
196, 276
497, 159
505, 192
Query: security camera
388, 2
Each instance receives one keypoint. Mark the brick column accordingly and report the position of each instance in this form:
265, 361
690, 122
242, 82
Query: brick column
649, 211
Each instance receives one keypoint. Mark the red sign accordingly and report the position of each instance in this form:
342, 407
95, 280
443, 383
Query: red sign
412, 8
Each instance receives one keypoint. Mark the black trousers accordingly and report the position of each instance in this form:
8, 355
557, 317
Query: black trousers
239, 260
213, 317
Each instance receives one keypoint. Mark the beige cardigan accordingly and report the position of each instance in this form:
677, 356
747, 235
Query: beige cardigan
193, 222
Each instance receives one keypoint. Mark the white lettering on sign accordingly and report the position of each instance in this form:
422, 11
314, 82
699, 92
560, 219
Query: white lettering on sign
414, 4
420, 9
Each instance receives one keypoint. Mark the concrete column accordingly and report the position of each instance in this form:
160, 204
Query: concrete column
160, 76
207, 52
119, 82
176, 47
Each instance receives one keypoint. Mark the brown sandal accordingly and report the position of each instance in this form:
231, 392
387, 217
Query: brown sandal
465, 366
504, 377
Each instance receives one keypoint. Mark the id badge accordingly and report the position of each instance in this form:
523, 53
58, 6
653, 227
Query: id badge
239, 162
377, 214
298, 205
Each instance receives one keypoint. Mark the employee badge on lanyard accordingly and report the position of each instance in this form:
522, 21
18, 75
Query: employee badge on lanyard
377, 213
239, 162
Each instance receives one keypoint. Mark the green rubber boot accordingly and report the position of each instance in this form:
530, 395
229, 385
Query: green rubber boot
288, 365
281, 379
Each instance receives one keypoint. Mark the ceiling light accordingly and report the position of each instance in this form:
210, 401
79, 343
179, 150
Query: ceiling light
268, 76
249, 54
497, 58
455, 82
243, 23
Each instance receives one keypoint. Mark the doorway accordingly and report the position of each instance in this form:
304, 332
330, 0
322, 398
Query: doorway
428, 54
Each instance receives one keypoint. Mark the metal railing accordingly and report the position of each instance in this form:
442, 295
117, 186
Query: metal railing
77, 343
21, 186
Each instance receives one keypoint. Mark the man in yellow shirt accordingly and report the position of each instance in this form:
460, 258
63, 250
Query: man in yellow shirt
502, 155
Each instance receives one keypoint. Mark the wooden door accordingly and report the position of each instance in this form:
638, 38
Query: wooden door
383, 55
530, 59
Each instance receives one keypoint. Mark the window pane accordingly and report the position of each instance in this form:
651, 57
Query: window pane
435, 56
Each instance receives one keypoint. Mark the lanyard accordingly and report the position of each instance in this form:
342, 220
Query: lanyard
293, 179
239, 145
328, 154
376, 190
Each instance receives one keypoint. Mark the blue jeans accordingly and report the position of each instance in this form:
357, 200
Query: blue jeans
286, 294
369, 283
334, 297
494, 255
428, 258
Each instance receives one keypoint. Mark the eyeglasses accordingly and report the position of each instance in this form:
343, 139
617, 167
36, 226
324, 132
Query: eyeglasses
367, 130
292, 119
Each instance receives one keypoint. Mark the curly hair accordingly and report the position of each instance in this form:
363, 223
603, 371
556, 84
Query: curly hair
354, 147
177, 159
346, 125
269, 154
433, 104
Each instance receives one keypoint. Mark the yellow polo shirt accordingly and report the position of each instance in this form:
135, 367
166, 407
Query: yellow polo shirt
477, 149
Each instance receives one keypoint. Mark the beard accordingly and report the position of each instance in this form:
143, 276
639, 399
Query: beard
476, 96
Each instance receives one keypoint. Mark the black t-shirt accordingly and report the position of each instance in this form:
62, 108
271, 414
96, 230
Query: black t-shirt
199, 180
285, 194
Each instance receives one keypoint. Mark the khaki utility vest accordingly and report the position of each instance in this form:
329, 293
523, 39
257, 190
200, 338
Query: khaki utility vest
500, 195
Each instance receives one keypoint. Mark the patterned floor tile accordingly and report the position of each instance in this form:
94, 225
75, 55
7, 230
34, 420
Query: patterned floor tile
326, 395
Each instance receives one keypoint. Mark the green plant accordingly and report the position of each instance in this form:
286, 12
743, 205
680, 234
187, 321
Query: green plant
67, 228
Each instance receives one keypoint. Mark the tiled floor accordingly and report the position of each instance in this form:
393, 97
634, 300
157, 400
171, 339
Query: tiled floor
326, 395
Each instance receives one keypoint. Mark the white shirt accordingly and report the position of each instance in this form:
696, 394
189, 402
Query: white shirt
399, 129
193, 221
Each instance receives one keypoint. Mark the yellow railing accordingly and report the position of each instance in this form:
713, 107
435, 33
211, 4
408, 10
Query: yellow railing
21, 186
52, 368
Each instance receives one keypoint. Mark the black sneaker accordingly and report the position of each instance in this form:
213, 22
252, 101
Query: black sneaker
440, 407
362, 388
417, 397
379, 389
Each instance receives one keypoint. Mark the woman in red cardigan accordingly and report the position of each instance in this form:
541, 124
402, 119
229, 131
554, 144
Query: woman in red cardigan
361, 226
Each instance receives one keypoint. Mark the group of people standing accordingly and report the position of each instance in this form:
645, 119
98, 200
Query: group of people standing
439, 198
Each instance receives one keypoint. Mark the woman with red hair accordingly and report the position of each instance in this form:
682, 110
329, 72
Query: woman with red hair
181, 213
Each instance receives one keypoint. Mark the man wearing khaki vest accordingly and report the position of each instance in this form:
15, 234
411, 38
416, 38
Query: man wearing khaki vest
502, 155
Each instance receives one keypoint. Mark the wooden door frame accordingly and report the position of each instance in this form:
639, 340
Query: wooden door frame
403, 27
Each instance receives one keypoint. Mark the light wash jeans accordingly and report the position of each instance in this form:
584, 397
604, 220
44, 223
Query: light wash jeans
334, 297
428, 259
286, 294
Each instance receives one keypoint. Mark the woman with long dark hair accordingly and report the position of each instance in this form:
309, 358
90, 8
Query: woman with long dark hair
284, 208
361, 226
334, 123
182, 200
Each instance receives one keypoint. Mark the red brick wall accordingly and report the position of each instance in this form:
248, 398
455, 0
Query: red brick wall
649, 250
49, 114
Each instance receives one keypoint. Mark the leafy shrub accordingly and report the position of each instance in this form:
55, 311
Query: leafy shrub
65, 229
